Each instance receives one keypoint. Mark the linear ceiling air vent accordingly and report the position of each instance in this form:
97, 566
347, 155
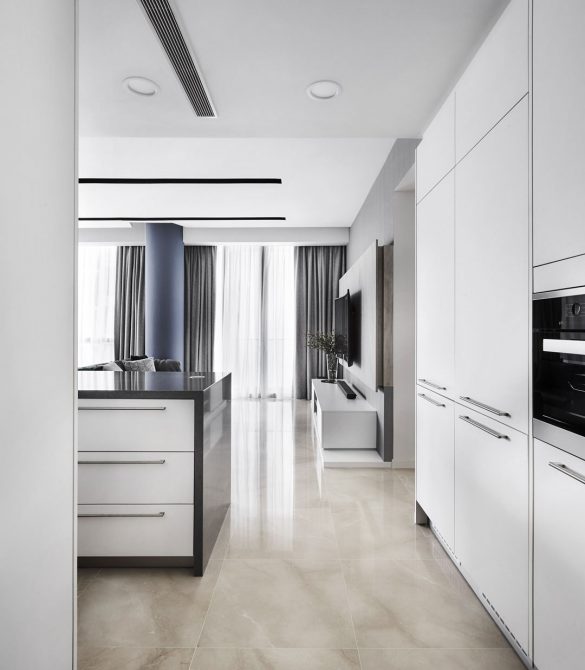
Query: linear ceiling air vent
167, 28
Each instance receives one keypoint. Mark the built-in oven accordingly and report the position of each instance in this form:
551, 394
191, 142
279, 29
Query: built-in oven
559, 368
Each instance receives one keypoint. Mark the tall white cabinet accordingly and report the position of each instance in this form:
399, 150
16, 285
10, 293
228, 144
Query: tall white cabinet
559, 254
473, 324
559, 141
435, 287
492, 273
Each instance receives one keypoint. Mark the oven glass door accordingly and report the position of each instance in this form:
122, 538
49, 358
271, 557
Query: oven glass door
559, 360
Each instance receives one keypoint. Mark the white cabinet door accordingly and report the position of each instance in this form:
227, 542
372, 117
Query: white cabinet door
435, 248
492, 272
559, 141
496, 79
435, 155
559, 559
435, 453
491, 514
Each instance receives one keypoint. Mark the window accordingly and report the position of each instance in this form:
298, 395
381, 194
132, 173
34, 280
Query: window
255, 328
96, 303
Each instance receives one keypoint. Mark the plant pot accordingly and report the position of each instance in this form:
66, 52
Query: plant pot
331, 367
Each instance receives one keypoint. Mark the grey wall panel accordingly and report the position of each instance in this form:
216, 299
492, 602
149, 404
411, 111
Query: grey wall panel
375, 219
404, 335
382, 211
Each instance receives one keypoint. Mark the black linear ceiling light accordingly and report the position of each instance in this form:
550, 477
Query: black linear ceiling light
167, 28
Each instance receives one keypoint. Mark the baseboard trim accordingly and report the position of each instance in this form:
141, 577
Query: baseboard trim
135, 562
403, 465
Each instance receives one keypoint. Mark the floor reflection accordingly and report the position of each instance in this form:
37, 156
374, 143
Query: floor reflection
263, 474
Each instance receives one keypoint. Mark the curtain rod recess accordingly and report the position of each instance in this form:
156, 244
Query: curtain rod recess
170, 180
165, 219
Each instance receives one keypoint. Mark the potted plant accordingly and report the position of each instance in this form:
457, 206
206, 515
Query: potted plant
325, 342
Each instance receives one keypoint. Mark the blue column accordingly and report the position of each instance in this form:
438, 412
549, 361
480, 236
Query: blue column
164, 289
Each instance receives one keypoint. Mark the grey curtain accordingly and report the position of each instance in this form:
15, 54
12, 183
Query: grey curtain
199, 308
129, 307
317, 274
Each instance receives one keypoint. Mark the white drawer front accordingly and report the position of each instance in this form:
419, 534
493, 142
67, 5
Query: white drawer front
559, 559
159, 530
136, 425
138, 478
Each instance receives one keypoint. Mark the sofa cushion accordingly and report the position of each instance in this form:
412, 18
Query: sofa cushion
112, 366
167, 365
142, 365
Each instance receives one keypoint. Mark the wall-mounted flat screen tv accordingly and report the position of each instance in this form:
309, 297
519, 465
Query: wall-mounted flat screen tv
343, 327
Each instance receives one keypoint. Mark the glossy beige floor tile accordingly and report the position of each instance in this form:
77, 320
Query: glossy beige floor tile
294, 533
279, 603
84, 577
382, 531
121, 658
440, 659
415, 603
313, 570
346, 486
145, 608
276, 659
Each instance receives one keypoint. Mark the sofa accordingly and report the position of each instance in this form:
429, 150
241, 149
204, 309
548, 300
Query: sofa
160, 364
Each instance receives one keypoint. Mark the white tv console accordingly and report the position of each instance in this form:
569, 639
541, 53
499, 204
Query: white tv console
346, 429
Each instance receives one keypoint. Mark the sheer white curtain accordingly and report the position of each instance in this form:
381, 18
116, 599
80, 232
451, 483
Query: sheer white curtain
278, 313
96, 300
255, 319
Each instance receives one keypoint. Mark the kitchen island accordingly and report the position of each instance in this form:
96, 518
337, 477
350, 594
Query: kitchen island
154, 467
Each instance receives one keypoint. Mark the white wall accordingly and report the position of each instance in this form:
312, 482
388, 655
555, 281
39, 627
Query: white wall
37, 334
196, 236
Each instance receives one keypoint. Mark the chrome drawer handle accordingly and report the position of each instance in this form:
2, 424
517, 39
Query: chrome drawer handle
433, 402
493, 433
157, 515
123, 409
487, 408
435, 386
561, 467
161, 462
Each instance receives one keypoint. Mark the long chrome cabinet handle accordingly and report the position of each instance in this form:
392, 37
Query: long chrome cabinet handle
123, 409
487, 408
161, 462
493, 433
435, 386
156, 515
561, 467
433, 402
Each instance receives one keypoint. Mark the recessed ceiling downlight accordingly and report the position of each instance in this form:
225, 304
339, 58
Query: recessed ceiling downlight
323, 90
141, 86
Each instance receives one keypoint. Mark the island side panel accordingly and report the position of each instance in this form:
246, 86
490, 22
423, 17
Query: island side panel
213, 467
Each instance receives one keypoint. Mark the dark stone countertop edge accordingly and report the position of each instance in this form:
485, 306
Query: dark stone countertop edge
143, 394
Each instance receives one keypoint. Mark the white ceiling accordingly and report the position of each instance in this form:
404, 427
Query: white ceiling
324, 181
395, 60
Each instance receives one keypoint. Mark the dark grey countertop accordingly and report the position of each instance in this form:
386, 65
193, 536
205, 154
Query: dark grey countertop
179, 385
